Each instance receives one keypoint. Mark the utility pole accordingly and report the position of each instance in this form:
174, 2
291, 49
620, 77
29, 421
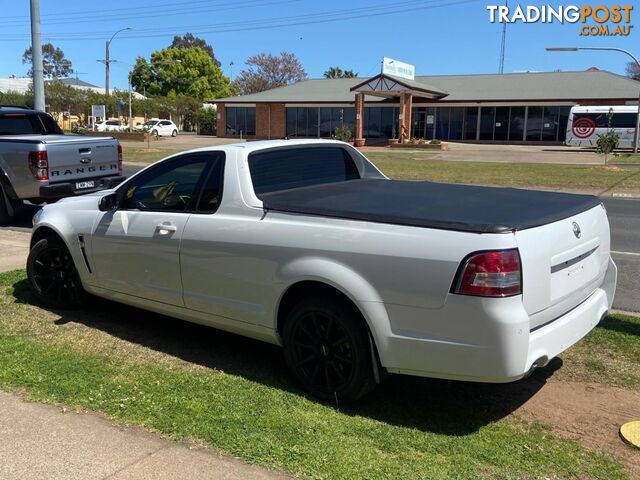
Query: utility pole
106, 68
504, 41
36, 57
107, 61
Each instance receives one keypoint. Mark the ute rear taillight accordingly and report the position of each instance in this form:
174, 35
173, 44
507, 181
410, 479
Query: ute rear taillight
119, 157
39, 164
490, 274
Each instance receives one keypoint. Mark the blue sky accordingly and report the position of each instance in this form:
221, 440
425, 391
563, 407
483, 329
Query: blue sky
438, 36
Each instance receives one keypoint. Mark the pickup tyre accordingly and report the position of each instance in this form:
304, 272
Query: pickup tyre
327, 348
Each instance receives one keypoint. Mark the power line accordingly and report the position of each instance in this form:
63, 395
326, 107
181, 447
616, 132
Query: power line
277, 22
74, 18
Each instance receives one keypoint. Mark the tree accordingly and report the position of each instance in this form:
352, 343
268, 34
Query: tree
180, 71
54, 63
189, 40
337, 72
268, 71
609, 141
633, 70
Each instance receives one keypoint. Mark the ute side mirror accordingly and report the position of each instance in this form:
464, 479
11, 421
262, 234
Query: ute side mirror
108, 203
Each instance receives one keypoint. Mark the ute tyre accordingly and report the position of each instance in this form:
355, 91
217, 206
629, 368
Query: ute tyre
5, 218
174, 133
327, 349
53, 275
155, 134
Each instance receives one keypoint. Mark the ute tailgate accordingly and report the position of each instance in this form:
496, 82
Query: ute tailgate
76, 158
563, 263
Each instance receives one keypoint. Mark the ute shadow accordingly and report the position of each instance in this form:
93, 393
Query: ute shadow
439, 406
620, 325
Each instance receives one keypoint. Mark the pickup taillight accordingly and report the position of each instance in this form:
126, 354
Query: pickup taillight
39, 164
119, 157
490, 274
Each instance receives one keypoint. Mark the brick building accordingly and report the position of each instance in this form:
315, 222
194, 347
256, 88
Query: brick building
503, 108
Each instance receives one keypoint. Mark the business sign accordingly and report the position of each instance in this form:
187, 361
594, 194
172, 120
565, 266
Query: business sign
398, 69
98, 111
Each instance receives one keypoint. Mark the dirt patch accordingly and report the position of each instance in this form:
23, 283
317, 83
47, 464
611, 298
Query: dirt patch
590, 413
149, 150
608, 168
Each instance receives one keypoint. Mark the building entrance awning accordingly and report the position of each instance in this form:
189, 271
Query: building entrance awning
388, 86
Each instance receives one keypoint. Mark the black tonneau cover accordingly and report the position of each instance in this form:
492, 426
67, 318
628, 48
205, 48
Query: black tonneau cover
464, 208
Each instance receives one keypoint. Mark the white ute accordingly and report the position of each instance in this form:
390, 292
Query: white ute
307, 245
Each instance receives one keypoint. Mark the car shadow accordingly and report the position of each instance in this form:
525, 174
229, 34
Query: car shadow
440, 406
620, 325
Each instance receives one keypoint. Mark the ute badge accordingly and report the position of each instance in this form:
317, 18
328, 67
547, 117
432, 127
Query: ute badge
576, 230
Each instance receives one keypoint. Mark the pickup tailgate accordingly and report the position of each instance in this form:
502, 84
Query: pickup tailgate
74, 158
563, 263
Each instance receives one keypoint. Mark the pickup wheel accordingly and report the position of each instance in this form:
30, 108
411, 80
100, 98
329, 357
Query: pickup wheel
5, 218
53, 274
174, 133
327, 348
155, 134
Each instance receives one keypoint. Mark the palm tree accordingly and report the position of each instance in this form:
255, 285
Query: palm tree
337, 72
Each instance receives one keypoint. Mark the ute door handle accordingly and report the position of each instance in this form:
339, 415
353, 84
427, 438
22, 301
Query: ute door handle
166, 228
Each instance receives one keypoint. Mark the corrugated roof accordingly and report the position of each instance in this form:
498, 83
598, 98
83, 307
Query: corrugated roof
560, 86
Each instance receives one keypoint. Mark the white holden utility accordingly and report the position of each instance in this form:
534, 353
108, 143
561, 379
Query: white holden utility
307, 245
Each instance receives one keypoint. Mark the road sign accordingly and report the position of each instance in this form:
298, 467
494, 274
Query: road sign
98, 111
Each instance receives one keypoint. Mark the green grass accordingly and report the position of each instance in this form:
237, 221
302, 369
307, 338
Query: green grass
143, 155
188, 381
419, 166
610, 354
625, 158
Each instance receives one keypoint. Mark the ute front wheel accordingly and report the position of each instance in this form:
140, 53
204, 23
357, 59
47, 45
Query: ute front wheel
53, 274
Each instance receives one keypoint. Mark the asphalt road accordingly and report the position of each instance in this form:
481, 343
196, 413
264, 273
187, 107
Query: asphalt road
624, 217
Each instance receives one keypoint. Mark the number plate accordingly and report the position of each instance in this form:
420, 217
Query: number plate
89, 184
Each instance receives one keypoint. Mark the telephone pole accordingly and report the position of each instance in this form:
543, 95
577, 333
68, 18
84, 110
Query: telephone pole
36, 57
107, 61
504, 42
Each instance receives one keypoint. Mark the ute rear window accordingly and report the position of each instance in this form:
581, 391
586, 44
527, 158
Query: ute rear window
28, 124
288, 168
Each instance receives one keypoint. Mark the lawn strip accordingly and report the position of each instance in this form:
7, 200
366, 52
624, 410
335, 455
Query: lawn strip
241, 401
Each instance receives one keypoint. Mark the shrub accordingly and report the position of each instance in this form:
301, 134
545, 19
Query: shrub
342, 133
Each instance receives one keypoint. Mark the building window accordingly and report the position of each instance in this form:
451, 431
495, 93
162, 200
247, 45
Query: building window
240, 120
318, 122
516, 124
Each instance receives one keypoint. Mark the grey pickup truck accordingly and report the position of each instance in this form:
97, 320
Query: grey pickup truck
40, 164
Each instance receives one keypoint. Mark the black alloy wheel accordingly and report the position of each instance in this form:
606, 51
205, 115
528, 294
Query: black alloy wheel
53, 274
327, 349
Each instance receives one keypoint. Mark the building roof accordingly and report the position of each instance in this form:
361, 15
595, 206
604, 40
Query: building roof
542, 86
76, 82
14, 84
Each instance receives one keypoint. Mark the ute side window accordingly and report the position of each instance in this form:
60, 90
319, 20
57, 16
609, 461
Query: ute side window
287, 168
174, 186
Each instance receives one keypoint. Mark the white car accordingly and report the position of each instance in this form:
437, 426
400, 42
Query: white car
110, 126
305, 244
159, 127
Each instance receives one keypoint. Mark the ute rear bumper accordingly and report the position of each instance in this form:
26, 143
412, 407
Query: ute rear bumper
486, 340
57, 191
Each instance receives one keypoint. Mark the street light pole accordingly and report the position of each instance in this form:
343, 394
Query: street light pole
107, 60
611, 49
36, 57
